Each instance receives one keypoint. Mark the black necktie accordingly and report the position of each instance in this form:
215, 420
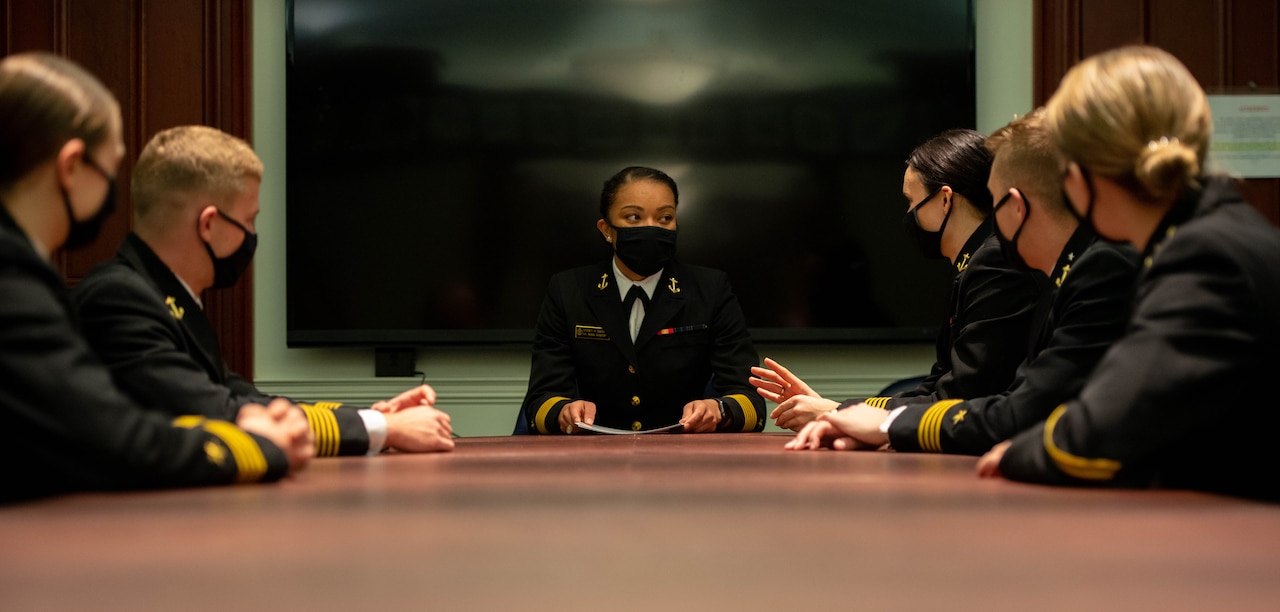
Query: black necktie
629, 305
636, 293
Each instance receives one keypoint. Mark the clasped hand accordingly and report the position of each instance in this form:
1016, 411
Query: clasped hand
284, 425
414, 425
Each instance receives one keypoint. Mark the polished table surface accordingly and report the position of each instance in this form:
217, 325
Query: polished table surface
659, 522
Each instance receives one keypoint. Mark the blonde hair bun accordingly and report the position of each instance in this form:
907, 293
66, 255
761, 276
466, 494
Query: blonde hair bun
1165, 166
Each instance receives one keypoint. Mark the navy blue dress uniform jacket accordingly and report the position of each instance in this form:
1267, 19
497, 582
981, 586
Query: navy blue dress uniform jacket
693, 344
1180, 400
162, 350
1092, 288
991, 312
64, 426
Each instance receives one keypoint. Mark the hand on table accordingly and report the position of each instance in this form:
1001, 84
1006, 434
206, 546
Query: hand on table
419, 429
815, 435
989, 464
285, 425
856, 427
701, 416
579, 411
421, 395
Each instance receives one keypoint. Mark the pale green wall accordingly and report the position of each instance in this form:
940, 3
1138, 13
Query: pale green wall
1003, 58
481, 387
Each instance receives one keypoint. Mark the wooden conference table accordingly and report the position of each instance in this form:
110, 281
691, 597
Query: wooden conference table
659, 522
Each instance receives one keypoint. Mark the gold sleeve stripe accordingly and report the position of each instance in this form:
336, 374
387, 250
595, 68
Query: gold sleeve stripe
332, 435
930, 431
545, 409
188, 422
749, 416
328, 405
325, 427
878, 402
1071, 465
250, 462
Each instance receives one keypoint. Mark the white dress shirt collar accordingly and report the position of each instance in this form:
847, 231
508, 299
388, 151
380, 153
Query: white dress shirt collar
649, 283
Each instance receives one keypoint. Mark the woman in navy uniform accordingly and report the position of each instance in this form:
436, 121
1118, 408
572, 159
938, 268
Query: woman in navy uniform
1176, 401
63, 424
992, 306
641, 341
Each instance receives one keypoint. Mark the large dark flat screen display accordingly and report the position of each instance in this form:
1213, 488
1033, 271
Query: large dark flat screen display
445, 157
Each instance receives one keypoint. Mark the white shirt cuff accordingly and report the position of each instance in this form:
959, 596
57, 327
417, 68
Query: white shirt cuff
893, 414
375, 423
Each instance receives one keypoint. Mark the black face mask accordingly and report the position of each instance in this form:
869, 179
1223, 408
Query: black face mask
84, 232
1010, 245
1087, 218
227, 270
645, 250
929, 243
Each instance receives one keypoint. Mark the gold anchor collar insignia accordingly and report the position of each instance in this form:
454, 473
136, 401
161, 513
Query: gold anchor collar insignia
1159, 246
174, 309
673, 285
604, 282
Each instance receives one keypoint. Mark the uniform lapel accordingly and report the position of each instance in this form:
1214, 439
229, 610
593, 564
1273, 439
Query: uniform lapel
606, 305
182, 307
974, 243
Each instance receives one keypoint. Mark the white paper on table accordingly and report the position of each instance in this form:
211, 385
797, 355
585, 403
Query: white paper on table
610, 430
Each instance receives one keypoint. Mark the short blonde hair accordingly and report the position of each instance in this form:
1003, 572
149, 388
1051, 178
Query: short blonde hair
182, 162
1025, 156
1136, 116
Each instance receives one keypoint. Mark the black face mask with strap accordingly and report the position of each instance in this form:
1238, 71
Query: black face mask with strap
227, 270
1087, 218
84, 232
929, 243
1009, 246
645, 249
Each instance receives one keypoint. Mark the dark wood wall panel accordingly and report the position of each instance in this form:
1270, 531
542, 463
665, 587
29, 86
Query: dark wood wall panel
173, 81
29, 26
1253, 57
1109, 23
94, 34
1231, 46
1196, 29
168, 62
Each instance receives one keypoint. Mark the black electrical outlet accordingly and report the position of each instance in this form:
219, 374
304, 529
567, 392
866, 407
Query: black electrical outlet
394, 361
